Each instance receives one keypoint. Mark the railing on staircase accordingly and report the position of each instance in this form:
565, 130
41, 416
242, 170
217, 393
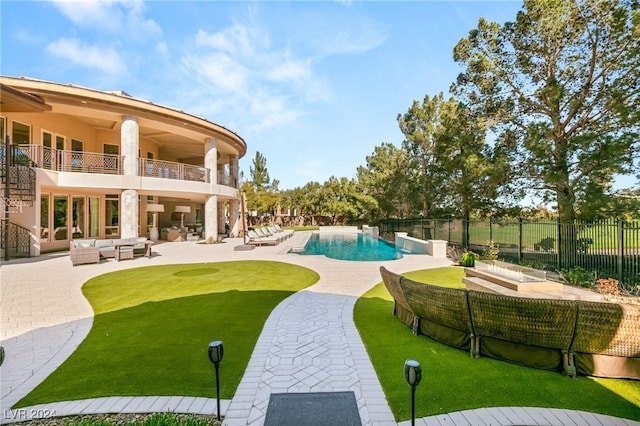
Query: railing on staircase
15, 241
18, 181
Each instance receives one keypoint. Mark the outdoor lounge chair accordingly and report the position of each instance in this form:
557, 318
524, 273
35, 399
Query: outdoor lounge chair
264, 233
288, 232
280, 233
257, 240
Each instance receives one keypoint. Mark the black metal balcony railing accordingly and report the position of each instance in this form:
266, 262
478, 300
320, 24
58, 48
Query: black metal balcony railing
91, 162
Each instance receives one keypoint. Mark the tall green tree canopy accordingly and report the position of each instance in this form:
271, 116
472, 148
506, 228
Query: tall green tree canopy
562, 80
384, 178
450, 168
261, 192
259, 173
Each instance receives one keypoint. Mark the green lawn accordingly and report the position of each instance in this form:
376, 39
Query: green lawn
153, 325
453, 381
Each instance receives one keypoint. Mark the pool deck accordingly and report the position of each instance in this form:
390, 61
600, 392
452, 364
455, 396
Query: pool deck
308, 344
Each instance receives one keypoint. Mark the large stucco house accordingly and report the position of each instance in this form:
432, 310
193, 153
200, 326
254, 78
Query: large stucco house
86, 163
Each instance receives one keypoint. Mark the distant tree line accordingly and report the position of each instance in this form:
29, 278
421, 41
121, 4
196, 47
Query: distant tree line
547, 105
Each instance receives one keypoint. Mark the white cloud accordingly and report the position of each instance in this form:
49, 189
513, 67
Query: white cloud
235, 40
220, 71
264, 85
290, 70
104, 59
109, 15
162, 48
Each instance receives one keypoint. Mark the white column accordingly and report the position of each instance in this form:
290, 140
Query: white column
211, 159
129, 145
233, 214
129, 214
233, 171
211, 218
221, 218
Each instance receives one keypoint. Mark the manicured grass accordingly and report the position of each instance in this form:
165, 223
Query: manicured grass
153, 325
453, 381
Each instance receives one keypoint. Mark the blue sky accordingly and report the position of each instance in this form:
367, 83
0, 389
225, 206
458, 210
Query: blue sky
313, 86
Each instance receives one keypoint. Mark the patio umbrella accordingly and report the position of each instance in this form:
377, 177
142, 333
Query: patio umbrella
242, 224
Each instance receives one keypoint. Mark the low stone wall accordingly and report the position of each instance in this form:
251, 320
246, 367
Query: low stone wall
435, 248
338, 229
572, 336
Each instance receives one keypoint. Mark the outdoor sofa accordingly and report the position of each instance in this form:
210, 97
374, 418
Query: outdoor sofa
83, 251
572, 336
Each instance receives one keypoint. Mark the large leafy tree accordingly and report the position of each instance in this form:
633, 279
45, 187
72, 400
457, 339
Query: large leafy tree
562, 81
420, 126
384, 178
336, 198
477, 177
450, 166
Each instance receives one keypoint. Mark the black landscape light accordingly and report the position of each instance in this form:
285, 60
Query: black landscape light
1, 355
412, 374
216, 352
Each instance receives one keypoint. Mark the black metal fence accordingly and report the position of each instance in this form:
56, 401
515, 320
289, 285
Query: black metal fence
610, 247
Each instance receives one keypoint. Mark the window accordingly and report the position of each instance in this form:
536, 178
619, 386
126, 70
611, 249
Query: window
21, 134
44, 217
111, 161
60, 142
47, 140
111, 217
111, 149
76, 156
77, 215
2, 128
60, 227
94, 217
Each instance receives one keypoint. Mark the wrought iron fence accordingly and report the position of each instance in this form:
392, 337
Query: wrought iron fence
610, 247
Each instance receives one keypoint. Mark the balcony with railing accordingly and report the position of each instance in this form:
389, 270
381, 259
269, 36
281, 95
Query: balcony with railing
92, 162
170, 170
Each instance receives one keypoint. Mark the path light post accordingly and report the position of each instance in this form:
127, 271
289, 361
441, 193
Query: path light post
216, 352
412, 374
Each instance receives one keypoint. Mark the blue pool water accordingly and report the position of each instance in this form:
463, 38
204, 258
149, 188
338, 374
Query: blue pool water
351, 246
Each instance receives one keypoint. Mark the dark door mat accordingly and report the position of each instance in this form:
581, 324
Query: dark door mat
313, 409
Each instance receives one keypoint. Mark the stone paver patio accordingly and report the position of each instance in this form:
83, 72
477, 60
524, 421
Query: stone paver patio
309, 343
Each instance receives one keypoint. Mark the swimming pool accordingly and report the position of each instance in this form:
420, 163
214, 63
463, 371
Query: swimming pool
350, 246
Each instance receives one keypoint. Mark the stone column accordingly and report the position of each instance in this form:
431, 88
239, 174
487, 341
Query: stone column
233, 171
211, 218
211, 159
129, 214
222, 218
234, 214
129, 144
